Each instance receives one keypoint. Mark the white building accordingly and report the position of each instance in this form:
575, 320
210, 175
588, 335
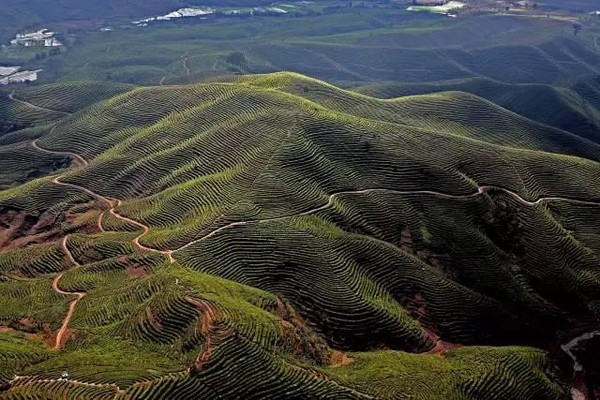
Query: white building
10, 75
43, 38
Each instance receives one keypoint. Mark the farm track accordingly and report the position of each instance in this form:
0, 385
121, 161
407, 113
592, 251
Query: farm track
169, 253
34, 379
79, 295
112, 204
185, 62
28, 104
480, 191
80, 161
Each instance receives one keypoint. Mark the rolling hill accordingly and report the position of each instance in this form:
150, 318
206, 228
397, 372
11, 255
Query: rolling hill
274, 236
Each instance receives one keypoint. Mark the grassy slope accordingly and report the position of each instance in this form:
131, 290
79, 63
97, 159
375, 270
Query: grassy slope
354, 46
572, 108
373, 270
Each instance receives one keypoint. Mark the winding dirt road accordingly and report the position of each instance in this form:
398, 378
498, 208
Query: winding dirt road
28, 104
169, 253
145, 229
79, 161
112, 204
79, 295
99, 223
480, 191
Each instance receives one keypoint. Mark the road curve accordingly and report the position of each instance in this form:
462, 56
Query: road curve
169, 253
78, 295
28, 104
112, 204
480, 190
145, 229
79, 161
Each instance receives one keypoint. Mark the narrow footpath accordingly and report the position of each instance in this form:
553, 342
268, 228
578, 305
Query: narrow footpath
80, 162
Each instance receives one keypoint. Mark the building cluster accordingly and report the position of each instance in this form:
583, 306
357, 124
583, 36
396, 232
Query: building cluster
10, 75
41, 38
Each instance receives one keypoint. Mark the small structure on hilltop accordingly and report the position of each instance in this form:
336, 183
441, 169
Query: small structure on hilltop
41, 38
449, 8
429, 2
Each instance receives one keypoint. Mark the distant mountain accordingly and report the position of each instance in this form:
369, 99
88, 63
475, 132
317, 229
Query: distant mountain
16, 15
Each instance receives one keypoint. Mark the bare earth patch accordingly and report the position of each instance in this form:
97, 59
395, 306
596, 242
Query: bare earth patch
339, 358
19, 228
136, 272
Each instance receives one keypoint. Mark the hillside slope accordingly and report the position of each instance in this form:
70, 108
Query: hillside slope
574, 107
278, 237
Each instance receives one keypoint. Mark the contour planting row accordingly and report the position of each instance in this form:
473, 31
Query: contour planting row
20, 163
24, 114
31, 305
240, 368
42, 195
108, 123
426, 226
58, 389
579, 220
383, 148
33, 260
458, 113
276, 262
70, 97
91, 248
472, 372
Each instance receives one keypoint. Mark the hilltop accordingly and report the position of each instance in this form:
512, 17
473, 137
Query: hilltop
276, 236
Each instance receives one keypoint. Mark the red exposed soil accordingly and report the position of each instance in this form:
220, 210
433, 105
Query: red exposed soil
339, 358
406, 241
214, 334
579, 390
49, 337
136, 272
154, 321
20, 229
6, 329
64, 332
441, 347
415, 306
280, 309
26, 322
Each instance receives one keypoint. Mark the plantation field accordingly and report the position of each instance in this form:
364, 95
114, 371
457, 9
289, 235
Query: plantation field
276, 236
349, 47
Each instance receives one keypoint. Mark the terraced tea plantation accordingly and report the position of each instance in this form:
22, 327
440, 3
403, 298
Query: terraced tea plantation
276, 237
